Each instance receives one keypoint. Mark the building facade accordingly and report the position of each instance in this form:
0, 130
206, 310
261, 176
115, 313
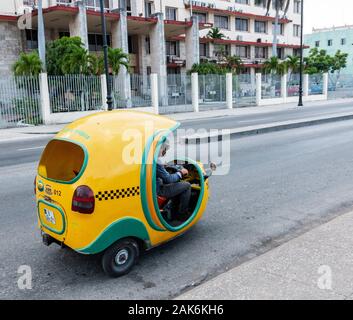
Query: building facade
332, 40
248, 31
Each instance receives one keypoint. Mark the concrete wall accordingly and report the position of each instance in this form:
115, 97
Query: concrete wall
10, 46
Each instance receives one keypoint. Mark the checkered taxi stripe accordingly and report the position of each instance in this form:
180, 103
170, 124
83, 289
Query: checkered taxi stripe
118, 194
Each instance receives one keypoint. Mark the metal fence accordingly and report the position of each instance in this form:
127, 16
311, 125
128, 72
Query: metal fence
179, 94
271, 86
340, 86
140, 91
19, 101
212, 89
244, 90
72, 93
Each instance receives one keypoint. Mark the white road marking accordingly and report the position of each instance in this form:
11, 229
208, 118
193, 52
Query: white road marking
33, 148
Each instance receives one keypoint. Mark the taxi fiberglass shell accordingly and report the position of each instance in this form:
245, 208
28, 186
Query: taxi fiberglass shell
89, 199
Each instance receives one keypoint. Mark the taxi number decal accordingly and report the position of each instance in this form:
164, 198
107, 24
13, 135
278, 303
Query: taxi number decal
57, 193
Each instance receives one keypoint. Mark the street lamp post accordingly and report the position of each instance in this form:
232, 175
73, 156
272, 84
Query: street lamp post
300, 104
105, 51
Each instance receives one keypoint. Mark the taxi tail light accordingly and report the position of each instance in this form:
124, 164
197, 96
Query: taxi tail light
83, 200
35, 185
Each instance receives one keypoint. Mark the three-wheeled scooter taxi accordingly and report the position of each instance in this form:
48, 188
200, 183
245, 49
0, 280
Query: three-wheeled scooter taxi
96, 188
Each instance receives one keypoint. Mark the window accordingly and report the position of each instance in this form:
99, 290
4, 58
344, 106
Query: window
172, 48
148, 9
343, 41
31, 39
202, 16
148, 45
204, 50
260, 3
241, 24
95, 42
297, 6
260, 27
132, 44
62, 161
242, 1
280, 28
296, 30
296, 52
221, 22
330, 43
29, 3
280, 53
242, 51
220, 48
261, 52
317, 44
170, 13
94, 4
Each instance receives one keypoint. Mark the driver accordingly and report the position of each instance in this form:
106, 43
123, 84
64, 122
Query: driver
170, 185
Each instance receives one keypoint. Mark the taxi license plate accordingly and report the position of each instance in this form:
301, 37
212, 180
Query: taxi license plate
49, 215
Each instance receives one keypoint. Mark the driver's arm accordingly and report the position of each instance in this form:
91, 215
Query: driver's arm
167, 177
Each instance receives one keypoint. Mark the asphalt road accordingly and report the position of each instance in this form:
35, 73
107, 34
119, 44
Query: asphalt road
19, 152
280, 184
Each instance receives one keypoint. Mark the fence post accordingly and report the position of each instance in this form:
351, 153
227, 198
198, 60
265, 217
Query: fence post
154, 93
195, 91
44, 98
284, 87
258, 89
229, 90
325, 85
104, 91
306, 85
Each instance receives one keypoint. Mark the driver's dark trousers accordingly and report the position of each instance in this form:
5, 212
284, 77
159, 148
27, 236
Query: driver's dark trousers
180, 193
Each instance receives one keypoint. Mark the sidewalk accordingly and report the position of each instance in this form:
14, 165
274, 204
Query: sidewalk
316, 265
23, 133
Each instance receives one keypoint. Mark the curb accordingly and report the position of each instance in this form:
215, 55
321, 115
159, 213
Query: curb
239, 133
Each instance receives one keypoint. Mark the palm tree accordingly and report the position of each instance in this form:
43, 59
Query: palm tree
275, 66
215, 33
76, 62
293, 65
234, 63
28, 65
95, 64
279, 5
118, 58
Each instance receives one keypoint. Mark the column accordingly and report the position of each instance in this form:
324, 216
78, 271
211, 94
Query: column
78, 24
229, 90
258, 89
192, 43
120, 40
158, 57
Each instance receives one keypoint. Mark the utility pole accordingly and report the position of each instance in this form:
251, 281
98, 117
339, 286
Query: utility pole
300, 103
106, 64
41, 35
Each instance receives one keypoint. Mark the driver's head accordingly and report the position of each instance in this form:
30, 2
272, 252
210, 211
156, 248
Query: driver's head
164, 148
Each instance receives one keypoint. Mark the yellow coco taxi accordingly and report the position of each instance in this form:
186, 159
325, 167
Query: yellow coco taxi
96, 192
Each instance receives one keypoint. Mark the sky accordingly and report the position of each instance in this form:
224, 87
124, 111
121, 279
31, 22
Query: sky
327, 13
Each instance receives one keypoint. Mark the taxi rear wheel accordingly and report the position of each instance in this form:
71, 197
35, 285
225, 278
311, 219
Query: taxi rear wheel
120, 258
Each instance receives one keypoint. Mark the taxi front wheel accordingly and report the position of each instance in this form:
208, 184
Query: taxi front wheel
120, 258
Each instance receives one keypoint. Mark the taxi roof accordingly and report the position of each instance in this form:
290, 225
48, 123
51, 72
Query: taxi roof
103, 126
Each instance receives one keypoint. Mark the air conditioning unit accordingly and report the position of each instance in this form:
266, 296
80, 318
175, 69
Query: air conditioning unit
240, 38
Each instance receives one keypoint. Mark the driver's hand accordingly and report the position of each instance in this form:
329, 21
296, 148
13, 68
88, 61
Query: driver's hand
184, 172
